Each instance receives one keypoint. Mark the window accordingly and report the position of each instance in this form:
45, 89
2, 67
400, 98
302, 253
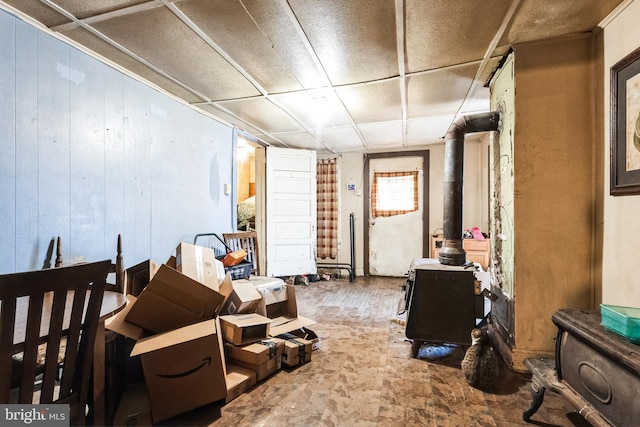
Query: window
394, 193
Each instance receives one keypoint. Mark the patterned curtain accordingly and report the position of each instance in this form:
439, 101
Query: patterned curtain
327, 227
394, 193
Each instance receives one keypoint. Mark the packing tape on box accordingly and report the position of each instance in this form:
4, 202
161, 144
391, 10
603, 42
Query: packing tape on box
273, 348
302, 354
199, 264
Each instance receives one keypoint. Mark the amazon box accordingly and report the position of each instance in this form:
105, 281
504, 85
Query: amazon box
199, 263
134, 408
240, 297
138, 277
239, 380
263, 357
186, 362
278, 298
244, 328
309, 335
172, 300
296, 350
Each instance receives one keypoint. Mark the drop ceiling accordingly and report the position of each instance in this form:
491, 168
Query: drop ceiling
334, 76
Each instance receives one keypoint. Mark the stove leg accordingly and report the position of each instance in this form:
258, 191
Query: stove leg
537, 396
415, 348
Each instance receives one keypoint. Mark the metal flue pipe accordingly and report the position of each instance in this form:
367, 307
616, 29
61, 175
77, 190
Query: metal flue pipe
452, 251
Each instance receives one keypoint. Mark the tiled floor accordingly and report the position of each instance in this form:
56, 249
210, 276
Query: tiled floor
363, 374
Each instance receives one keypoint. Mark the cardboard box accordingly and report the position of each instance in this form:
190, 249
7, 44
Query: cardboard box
284, 324
273, 289
199, 263
137, 278
186, 362
244, 328
134, 408
296, 350
240, 297
279, 304
234, 258
309, 335
239, 380
257, 353
172, 300
278, 299
264, 357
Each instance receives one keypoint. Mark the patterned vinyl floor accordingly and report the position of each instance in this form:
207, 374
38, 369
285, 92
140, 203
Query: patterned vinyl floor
364, 375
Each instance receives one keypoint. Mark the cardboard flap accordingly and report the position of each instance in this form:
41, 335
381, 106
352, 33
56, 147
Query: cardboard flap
285, 302
136, 278
198, 262
172, 300
257, 353
226, 288
246, 291
176, 336
272, 289
244, 320
281, 325
119, 325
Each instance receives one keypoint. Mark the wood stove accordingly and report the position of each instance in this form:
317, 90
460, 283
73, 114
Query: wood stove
595, 370
444, 303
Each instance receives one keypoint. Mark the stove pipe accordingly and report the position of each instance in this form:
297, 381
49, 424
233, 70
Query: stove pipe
452, 252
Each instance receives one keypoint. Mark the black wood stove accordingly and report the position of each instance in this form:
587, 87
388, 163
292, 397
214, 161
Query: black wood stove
597, 371
444, 303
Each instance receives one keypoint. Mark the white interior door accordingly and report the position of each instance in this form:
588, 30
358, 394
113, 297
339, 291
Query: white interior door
291, 211
395, 241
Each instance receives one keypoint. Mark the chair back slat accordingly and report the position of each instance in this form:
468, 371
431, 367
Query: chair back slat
58, 302
7, 320
247, 240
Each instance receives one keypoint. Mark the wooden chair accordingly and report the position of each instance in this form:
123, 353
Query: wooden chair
43, 306
247, 240
117, 268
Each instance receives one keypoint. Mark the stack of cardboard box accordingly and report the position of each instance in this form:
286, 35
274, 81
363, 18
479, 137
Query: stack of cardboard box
204, 337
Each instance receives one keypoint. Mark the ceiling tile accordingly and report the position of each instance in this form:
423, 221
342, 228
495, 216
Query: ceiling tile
85, 8
541, 19
442, 33
128, 62
439, 92
263, 114
372, 102
270, 47
159, 37
355, 40
316, 108
382, 134
341, 139
302, 140
477, 101
428, 130
35, 9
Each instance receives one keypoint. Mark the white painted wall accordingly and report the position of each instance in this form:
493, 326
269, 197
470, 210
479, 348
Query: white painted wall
620, 221
476, 199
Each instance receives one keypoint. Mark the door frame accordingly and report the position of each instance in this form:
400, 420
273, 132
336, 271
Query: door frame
425, 198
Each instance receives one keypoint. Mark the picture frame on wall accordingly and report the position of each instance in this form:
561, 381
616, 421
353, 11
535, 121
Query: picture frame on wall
625, 126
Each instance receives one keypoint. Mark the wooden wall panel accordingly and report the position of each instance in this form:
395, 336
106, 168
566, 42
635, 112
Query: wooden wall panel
7, 140
114, 160
88, 153
54, 171
87, 167
29, 250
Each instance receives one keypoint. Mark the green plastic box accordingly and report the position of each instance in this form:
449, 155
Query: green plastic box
624, 321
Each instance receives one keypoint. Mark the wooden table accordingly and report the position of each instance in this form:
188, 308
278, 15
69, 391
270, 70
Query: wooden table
112, 302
